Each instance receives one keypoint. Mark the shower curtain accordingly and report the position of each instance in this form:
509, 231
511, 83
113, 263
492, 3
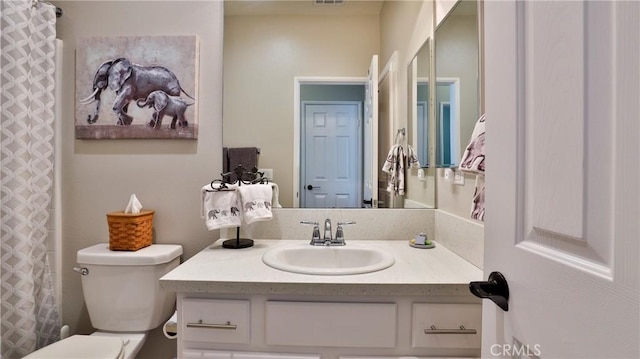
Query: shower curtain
30, 318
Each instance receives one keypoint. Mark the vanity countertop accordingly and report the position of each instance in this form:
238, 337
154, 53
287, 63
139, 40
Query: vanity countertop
431, 272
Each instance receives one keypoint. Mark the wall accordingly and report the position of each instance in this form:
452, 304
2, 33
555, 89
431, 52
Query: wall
99, 175
263, 54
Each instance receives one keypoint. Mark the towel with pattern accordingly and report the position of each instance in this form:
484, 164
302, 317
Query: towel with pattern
256, 202
473, 162
473, 157
395, 164
220, 208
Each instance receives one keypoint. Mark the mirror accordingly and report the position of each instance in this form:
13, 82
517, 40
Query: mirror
264, 55
421, 183
418, 74
457, 82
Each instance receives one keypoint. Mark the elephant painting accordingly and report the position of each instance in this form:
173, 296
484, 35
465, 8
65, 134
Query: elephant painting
130, 81
164, 104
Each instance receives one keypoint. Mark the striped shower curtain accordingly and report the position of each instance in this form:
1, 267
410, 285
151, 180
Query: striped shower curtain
29, 314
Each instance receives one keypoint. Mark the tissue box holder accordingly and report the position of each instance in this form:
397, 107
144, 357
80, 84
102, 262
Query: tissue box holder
129, 231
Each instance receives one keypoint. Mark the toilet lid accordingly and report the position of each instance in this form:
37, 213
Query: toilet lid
82, 347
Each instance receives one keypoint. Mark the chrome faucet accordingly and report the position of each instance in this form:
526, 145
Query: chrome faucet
328, 239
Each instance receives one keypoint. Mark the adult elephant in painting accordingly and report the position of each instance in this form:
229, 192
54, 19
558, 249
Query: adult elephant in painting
130, 81
165, 105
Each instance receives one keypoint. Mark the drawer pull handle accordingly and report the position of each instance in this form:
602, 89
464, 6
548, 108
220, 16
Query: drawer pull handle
462, 330
200, 324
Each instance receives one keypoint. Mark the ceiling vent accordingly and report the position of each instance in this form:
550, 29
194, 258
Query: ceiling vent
328, 2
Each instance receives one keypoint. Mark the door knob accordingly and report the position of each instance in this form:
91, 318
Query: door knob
310, 187
495, 288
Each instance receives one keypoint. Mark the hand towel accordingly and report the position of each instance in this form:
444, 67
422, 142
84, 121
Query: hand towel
256, 202
394, 166
473, 157
245, 156
412, 158
275, 198
473, 162
477, 206
220, 209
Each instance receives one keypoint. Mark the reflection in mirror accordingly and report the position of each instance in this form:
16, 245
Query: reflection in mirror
421, 123
421, 182
457, 94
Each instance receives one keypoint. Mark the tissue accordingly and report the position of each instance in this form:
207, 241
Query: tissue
134, 205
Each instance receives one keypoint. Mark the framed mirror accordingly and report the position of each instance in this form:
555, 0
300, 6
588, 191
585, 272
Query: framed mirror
421, 182
457, 82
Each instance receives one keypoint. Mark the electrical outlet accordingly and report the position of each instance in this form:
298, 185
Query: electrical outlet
458, 177
268, 173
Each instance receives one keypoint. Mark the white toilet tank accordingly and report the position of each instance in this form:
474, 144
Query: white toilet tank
122, 288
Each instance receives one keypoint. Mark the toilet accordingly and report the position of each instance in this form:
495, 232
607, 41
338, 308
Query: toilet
123, 297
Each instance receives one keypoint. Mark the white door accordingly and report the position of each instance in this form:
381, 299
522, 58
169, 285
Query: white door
332, 152
562, 216
370, 196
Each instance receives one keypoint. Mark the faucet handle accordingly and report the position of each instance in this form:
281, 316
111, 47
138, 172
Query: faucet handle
315, 237
340, 233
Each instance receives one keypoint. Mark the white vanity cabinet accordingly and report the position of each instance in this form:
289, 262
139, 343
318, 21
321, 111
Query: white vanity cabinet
232, 306
265, 327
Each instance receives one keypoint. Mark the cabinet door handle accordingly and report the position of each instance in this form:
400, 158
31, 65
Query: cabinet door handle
200, 324
462, 330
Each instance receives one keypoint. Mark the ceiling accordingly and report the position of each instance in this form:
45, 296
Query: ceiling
301, 7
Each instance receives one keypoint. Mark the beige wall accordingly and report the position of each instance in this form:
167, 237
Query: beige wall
99, 175
263, 54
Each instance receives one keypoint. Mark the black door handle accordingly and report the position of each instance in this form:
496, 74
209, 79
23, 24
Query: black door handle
496, 289
368, 201
310, 187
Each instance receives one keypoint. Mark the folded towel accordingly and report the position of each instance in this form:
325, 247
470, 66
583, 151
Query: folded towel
245, 156
221, 209
473, 157
256, 202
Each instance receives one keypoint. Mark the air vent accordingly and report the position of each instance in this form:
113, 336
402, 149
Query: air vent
328, 2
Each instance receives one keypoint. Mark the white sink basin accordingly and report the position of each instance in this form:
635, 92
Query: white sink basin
320, 260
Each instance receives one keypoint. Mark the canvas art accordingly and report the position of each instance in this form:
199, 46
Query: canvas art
137, 87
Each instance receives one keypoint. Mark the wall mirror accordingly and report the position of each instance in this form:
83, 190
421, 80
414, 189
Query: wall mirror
457, 82
418, 74
259, 91
421, 183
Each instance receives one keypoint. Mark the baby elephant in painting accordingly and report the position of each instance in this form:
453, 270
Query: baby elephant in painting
165, 104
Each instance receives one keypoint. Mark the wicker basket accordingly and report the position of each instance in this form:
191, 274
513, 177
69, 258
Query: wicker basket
129, 231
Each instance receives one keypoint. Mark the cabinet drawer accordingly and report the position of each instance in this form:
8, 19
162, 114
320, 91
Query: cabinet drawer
439, 325
213, 320
356, 325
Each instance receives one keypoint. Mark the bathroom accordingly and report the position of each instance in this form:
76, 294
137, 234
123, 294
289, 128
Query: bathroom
98, 176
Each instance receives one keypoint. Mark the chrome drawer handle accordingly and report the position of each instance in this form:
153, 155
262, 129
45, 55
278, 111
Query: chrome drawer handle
200, 324
462, 330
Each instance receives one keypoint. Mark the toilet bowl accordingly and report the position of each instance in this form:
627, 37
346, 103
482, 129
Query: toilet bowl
124, 300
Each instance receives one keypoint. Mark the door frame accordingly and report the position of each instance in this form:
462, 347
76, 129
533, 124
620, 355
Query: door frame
298, 81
